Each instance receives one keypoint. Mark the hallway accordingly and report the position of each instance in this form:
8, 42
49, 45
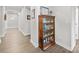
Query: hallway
14, 41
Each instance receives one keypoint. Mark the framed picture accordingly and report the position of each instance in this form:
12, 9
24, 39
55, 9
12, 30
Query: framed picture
28, 17
33, 14
44, 10
28, 11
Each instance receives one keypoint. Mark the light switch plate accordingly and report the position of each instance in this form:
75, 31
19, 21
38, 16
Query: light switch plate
0, 40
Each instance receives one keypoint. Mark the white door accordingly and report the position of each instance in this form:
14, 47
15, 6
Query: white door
12, 21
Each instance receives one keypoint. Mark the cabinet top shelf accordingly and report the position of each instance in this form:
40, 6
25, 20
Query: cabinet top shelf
46, 16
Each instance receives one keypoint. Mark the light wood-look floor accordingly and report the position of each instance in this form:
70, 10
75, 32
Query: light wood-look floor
15, 42
76, 48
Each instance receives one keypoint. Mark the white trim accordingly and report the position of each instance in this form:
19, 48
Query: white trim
68, 48
3, 34
0, 40
11, 27
23, 32
73, 46
76, 21
33, 43
74, 30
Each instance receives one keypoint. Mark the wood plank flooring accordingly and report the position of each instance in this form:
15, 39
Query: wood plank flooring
76, 48
15, 42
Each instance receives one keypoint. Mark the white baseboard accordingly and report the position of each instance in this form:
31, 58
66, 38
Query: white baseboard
73, 44
32, 42
23, 32
12, 27
68, 48
36, 46
3, 34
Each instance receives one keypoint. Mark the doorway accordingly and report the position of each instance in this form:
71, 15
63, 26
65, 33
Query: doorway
17, 37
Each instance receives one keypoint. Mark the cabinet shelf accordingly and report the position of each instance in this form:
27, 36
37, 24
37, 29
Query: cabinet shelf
48, 23
48, 36
50, 30
46, 31
47, 46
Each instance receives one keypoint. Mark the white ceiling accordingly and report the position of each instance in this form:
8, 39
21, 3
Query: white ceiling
15, 8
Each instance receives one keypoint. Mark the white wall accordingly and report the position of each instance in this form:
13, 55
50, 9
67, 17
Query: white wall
63, 18
0, 21
76, 22
24, 24
12, 21
12, 16
18, 22
16, 18
73, 29
34, 26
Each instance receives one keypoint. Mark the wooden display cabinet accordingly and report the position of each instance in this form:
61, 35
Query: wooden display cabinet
46, 31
